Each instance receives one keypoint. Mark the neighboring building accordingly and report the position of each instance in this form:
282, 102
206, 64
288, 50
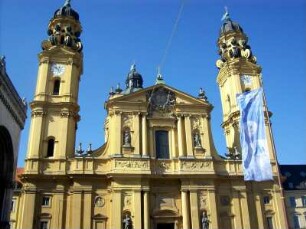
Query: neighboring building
16, 200
159, 167
12, 119
295, 193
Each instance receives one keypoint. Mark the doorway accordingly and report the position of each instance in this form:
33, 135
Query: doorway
165, 226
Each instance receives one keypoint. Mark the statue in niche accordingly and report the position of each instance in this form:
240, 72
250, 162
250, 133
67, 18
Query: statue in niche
205, 221
127, 138
197, 140
127, 222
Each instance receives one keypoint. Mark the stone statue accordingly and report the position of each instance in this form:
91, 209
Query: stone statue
197, 140
205, 221
127, 222
127, 138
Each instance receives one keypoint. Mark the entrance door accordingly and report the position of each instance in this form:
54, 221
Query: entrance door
165, 226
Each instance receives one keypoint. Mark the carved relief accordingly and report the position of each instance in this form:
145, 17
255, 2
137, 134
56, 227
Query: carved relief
203, 200
99, 201
164, 202
129, 164
127, 120
196, 123
160, 100
194, 165
163, 166
127, 200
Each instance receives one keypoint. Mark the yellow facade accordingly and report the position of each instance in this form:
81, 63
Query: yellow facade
159, 167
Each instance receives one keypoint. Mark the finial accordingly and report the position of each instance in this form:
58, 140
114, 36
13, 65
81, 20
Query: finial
159, 77
111, 91
67, 2
133, 67
225, 15
118, 89
202, 94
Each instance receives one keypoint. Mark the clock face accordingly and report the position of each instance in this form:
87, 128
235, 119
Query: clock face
57, 69
246, 79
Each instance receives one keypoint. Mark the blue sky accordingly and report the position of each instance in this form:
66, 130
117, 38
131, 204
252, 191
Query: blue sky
118, 32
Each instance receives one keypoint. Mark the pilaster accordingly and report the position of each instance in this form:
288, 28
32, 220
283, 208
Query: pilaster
28, 209
180, 136
144, 135
77, 207
194, 209
116, 214
213, 208
188, 136
146, 209
185, 210
137, 210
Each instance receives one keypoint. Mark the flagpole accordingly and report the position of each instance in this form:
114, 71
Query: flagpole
275, 154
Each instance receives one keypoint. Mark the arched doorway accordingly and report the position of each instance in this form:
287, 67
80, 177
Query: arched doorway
6, 175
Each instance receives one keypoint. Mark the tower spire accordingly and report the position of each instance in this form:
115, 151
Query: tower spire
64, 29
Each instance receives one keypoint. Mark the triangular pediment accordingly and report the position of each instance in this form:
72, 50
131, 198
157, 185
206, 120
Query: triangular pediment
181, 98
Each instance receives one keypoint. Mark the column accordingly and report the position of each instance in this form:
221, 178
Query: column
213, 209
87, 202
116, 216
189, 142
185, 212
194, 209
144, 136
76, 209
237, 210
146, 210
137, 210
180, 137
28, 209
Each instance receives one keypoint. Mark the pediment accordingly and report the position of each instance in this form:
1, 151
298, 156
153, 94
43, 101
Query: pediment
160, 93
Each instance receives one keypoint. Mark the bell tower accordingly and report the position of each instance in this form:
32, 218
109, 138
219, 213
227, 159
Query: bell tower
55, 105
238, 72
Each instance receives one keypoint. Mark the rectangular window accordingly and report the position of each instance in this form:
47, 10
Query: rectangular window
43, 225
46, 201
162, 144
13, 205
296, 221
304, 201
266, 199
270, 222
292, 201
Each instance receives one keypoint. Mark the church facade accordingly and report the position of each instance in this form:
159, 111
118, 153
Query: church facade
158, 167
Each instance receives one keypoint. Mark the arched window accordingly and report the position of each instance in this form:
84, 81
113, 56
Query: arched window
50, 150
162, 144
56, 88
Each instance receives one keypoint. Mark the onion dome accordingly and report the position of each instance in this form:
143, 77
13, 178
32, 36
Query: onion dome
64, 29
133, 81
228, 25
66, 10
